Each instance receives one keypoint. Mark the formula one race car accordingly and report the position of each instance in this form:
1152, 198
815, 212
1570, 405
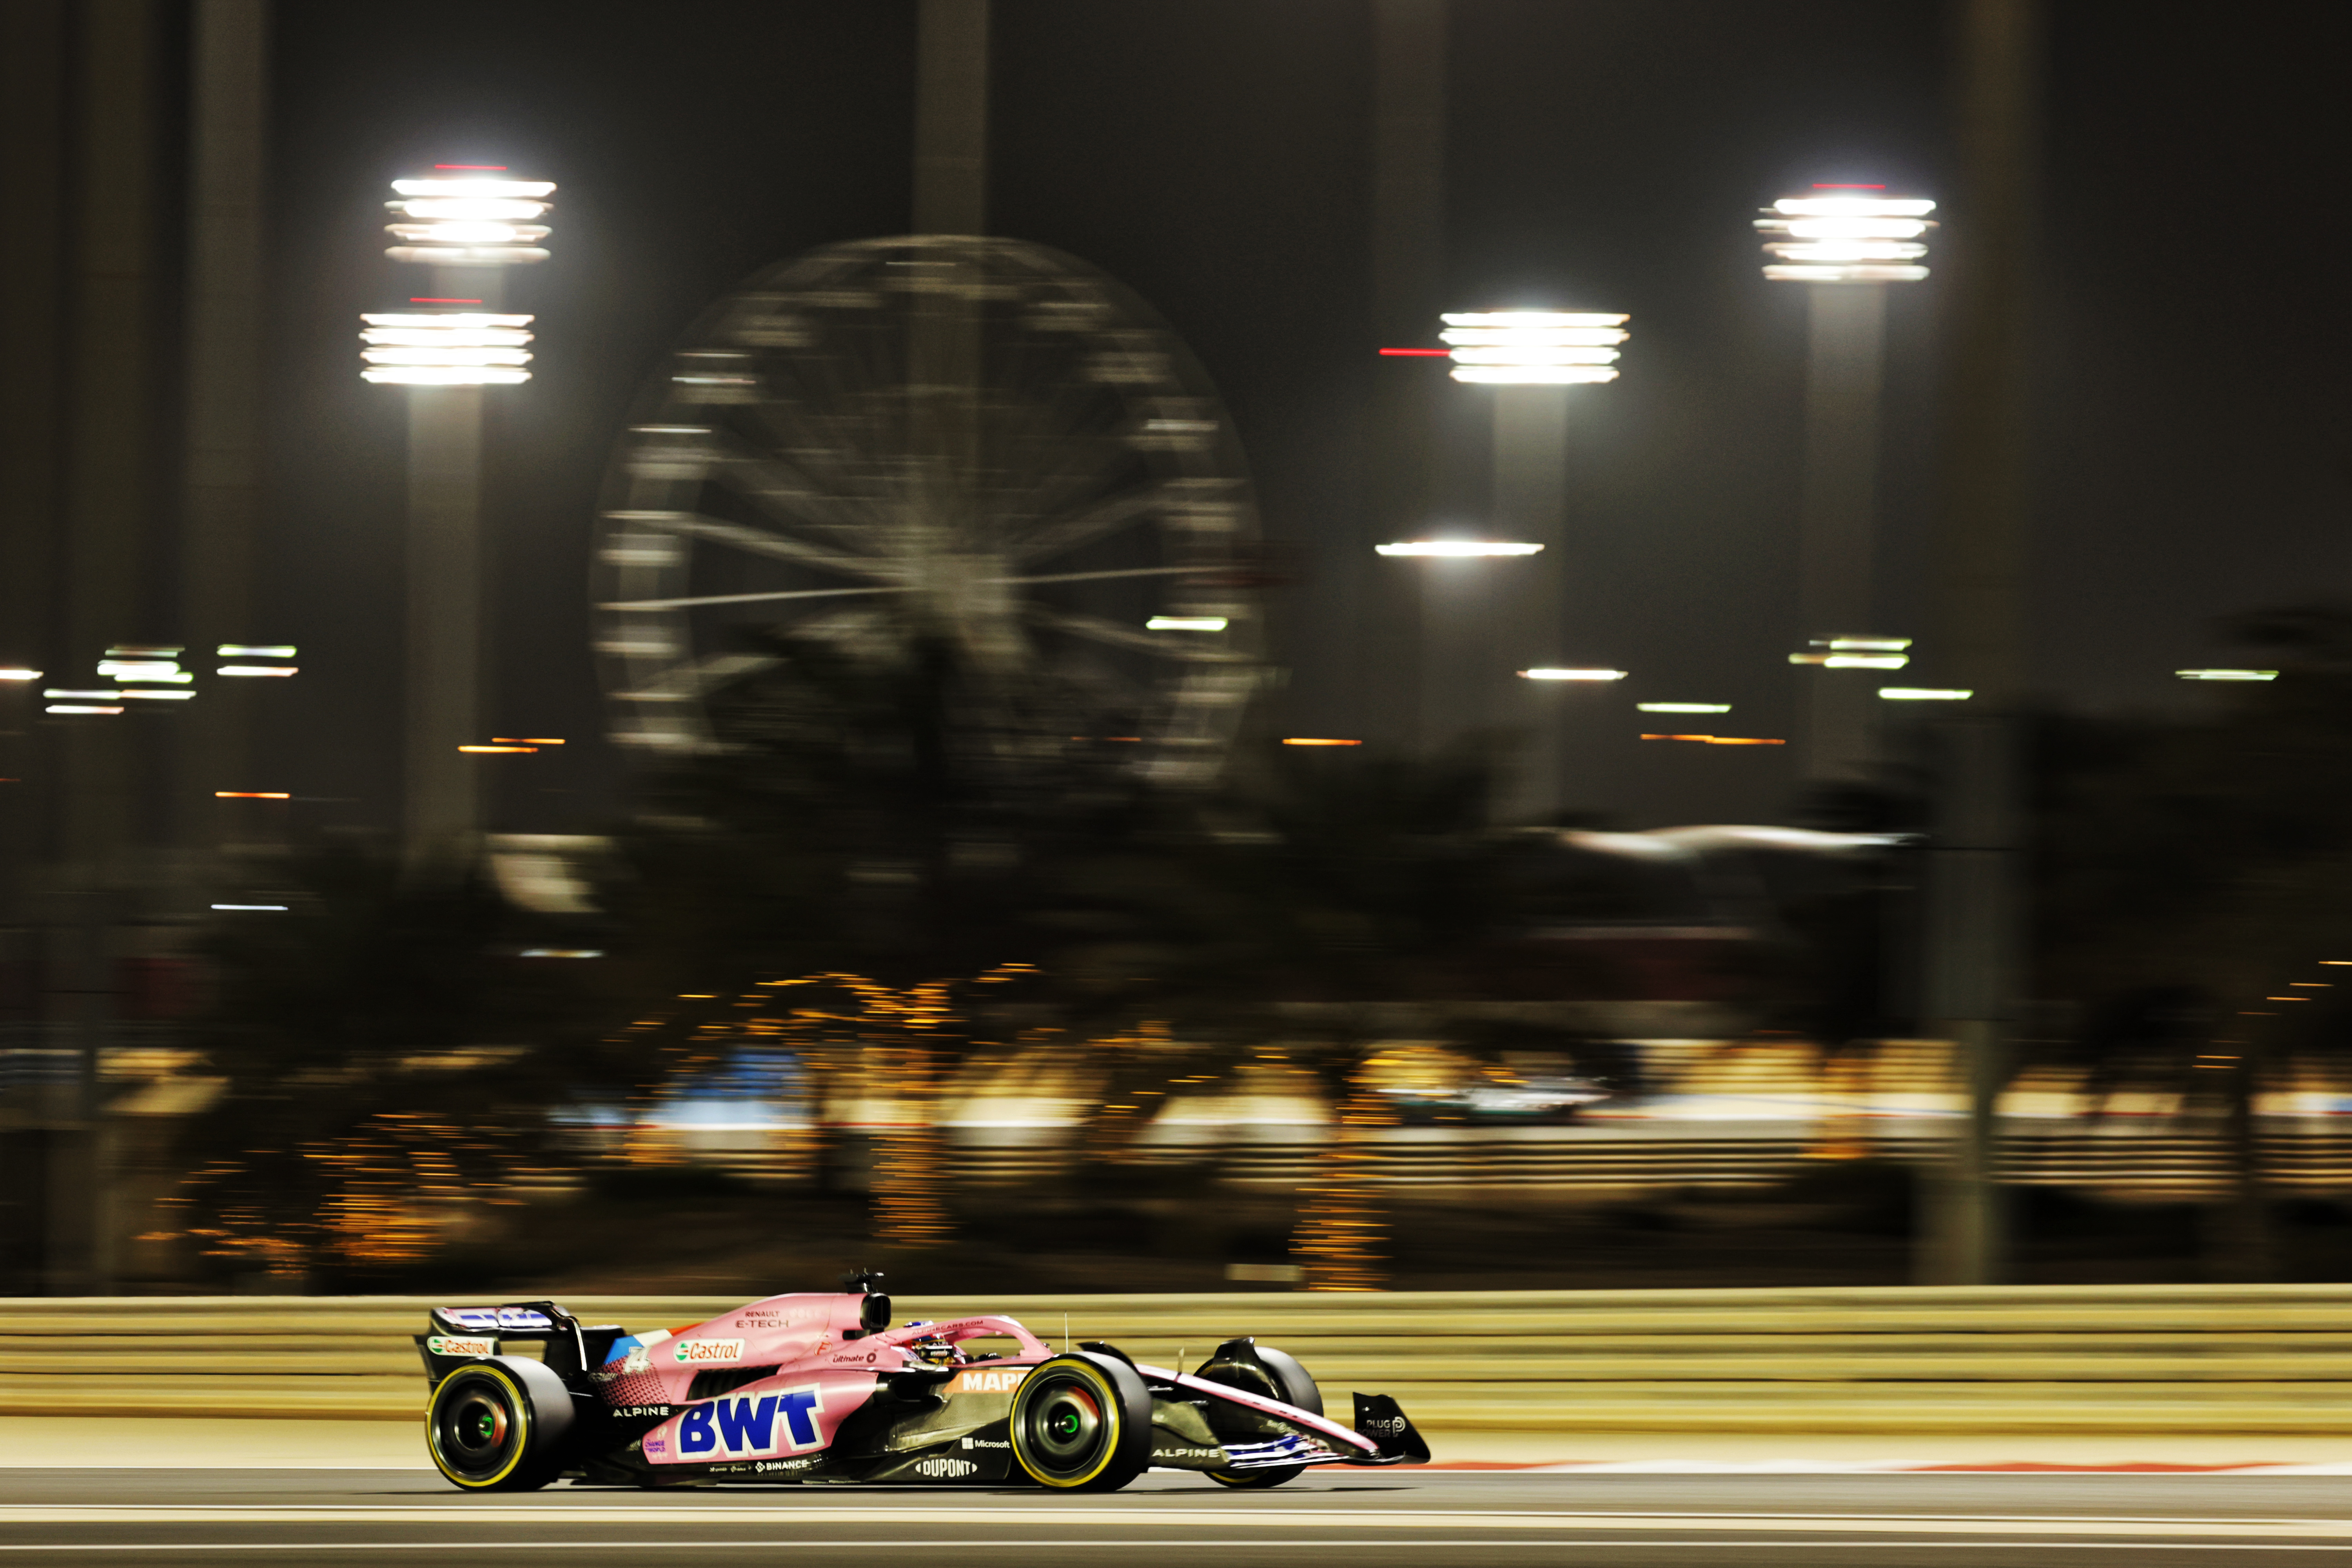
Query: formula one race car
820, 1387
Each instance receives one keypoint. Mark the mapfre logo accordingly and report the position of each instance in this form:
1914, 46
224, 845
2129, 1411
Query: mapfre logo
443, 1344
989, 1381
708, 1350
739, 1427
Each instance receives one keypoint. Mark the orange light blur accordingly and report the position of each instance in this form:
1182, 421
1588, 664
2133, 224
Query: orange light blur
1720, 740
524, 740
250, 794
1317, 741
498, 748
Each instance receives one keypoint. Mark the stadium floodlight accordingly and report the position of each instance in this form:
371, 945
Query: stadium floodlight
1573, 674
457, 348
1457, 548
1925, 693
1846, 234
469, 218
2227, 674
1540, 348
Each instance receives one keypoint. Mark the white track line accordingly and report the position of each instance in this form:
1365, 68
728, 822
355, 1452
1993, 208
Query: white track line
1293, 1543
2133, 1526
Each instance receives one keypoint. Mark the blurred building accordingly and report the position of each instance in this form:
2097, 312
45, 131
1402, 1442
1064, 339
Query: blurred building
130, 297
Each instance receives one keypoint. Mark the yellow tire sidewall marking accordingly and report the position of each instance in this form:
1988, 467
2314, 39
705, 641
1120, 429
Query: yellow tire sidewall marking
522, 1428
1115, 1416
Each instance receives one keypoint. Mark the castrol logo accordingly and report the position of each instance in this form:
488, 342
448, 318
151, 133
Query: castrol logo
706, 1350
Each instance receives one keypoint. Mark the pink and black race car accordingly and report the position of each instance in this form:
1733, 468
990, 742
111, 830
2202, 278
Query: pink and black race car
804, 1387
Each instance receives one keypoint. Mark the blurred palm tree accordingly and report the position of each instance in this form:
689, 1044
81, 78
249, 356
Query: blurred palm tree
2186, 873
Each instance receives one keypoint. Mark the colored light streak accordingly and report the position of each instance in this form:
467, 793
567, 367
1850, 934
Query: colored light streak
1573, 674
257, 670
1720, 740
254, 650
1682, 707
1852, 660
2227, 674
494, 751
1853, 274
1532, 375
1185, 624
1853, 206
443, 375
20, 674
77, 708
250, 794
1455, 549
532, 189
265, 909
1417, 353
160, 670
523, 741
1926, 693
1317, 740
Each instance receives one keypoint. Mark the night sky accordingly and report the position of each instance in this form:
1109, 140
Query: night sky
1211, 154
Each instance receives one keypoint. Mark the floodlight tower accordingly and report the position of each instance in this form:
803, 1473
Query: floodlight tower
1847, 243
1484, 624
467, 224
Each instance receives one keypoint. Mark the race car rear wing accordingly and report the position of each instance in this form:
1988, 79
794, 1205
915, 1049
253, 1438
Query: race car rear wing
459, 1334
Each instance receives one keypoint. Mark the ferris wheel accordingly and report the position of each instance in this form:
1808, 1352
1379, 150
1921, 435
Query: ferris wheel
976, 444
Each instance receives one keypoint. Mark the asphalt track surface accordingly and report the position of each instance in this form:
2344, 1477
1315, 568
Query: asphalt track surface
290, 1518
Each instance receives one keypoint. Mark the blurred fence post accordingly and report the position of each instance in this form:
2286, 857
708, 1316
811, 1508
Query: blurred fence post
1408, 244
952, 117
1976, 897
227, 152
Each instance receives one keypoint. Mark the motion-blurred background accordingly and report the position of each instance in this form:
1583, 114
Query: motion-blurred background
895, 740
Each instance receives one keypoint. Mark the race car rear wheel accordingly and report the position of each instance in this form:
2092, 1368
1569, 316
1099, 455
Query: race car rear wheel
498, 1425
1276, 1374
1082, 1422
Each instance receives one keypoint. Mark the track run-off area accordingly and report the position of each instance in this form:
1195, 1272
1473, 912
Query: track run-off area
1416, 1517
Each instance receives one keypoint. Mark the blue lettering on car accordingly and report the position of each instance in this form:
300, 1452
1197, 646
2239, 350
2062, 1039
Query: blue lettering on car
748, 1425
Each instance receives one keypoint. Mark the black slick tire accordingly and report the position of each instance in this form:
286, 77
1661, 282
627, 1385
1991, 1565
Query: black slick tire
498, 1425
1082, 1422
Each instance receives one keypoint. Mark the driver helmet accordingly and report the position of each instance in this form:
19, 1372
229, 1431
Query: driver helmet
934, 1347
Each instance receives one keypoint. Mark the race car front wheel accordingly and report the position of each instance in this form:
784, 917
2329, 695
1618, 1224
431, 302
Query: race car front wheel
498, 1425
1276, 1374
1082, 1422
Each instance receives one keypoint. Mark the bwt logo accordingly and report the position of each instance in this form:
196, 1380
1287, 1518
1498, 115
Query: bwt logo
709, 1350
748, 1425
